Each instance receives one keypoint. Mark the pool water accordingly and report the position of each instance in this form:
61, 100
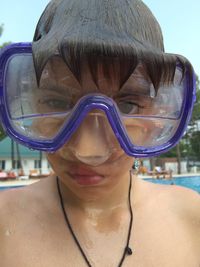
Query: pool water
192, 182
9, 187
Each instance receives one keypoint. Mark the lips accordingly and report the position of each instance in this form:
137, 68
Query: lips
84, 176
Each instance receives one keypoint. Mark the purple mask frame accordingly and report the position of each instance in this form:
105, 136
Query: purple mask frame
85, 105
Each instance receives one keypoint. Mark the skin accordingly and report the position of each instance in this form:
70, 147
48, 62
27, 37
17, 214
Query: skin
166, 226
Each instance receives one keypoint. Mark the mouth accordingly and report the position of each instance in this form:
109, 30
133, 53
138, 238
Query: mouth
85, 177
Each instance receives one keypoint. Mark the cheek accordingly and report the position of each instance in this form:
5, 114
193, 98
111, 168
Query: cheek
123, 164
58, 164
143, 132
47, 127
138, 132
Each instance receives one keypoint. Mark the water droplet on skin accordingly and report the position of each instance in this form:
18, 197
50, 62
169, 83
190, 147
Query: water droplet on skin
8, 232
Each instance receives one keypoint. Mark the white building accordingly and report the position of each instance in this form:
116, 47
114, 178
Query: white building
30, 160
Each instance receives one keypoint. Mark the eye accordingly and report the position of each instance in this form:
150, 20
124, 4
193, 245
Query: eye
56, 104
128, 107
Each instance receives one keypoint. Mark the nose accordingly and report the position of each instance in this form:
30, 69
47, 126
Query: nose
94, 140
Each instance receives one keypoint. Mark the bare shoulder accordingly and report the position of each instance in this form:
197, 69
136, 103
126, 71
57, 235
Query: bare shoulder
25, 211
183, 203
187, 202
182, 199
16, 202
27, 216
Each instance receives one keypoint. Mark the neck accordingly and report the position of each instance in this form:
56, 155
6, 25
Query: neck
127, 250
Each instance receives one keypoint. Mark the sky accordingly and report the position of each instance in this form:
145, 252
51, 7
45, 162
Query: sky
179, 20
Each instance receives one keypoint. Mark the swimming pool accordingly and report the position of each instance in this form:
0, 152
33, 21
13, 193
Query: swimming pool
192, 182
10, 187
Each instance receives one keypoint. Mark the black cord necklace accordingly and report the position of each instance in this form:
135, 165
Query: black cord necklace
127, 250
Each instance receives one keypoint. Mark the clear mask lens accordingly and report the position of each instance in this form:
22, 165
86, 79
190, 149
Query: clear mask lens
155, 116
150, 116
36, 112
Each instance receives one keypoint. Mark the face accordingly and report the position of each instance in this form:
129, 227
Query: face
92, 162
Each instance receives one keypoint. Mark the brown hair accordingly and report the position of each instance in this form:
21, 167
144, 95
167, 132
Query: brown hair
103, 31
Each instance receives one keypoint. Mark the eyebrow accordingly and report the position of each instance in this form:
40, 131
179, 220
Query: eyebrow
140, 90
134, 94
58, 89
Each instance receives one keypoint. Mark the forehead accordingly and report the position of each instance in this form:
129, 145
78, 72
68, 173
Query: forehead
108, 71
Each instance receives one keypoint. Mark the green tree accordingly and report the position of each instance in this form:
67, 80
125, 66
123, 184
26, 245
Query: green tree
1, 29
2, 133
1, 32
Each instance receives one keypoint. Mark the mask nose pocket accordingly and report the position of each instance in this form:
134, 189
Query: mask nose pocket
94, 140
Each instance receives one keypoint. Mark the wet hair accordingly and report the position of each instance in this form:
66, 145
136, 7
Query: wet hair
103, 32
